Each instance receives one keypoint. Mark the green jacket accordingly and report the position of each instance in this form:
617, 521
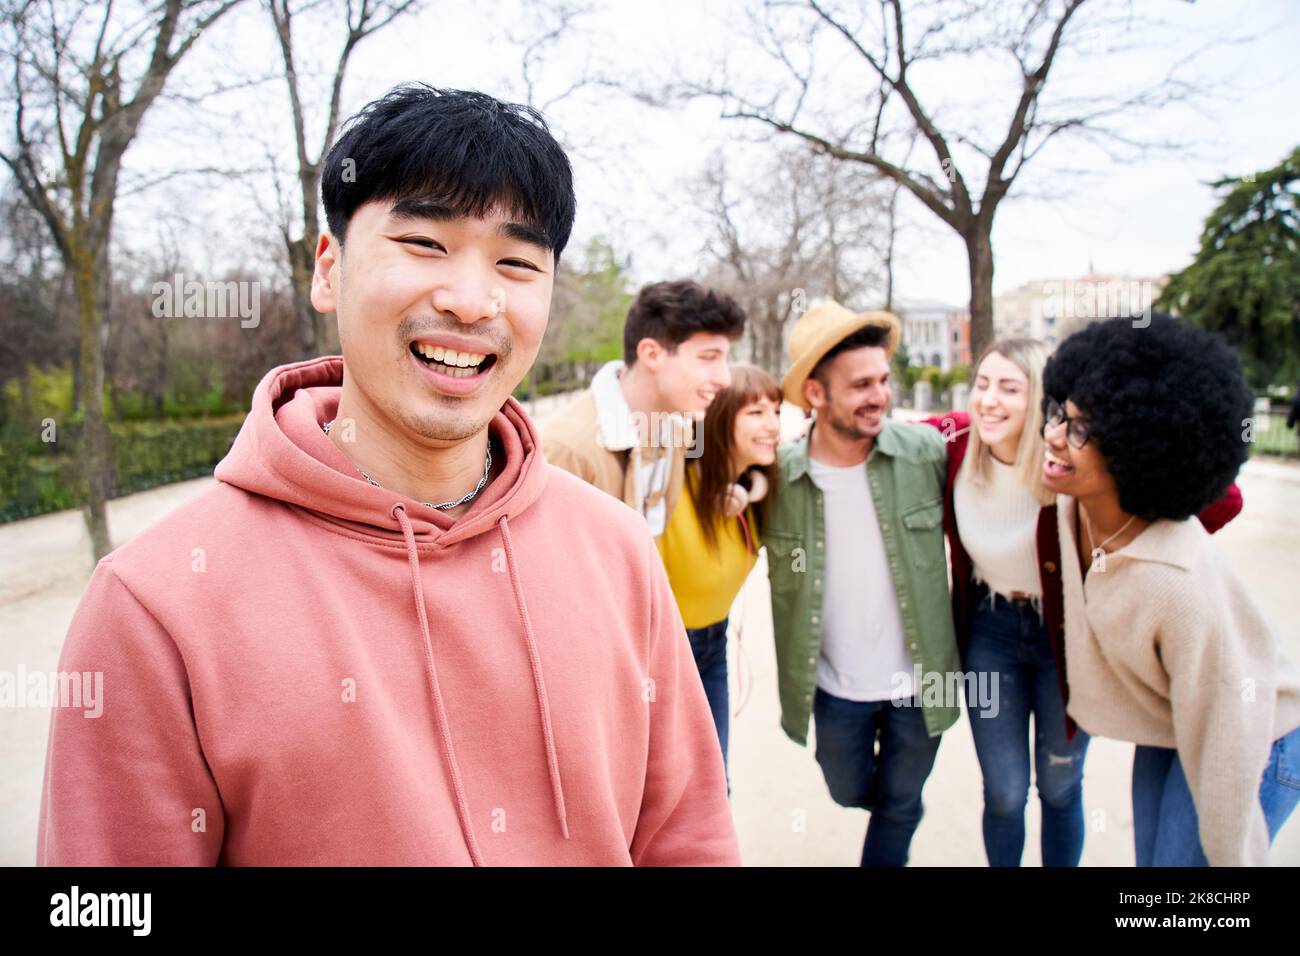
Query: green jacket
906, 470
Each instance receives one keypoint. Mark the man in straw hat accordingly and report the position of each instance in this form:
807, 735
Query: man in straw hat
859, 578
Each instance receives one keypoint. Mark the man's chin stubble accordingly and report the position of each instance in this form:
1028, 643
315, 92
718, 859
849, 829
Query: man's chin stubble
452, 426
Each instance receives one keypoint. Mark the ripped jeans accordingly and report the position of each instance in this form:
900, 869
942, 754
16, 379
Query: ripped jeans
1010, 640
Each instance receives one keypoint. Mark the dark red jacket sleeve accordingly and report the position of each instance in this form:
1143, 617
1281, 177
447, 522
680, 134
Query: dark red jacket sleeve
1222, 511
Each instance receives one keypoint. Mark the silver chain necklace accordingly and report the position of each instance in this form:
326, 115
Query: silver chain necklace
446, 505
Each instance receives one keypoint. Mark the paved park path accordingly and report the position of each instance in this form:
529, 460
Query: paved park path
783, 813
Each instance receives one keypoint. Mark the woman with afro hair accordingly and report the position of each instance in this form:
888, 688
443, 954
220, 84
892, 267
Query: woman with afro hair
1007, 605
1146, 422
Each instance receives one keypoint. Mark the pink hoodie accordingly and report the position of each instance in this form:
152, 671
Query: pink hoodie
301, 668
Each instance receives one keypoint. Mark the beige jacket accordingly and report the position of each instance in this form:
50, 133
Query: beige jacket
593, 438
1165, 648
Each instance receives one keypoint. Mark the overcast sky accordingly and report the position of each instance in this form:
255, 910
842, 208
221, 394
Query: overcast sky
634, 163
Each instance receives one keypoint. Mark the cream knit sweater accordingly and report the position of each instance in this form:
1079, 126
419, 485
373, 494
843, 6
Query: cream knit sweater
1165, 648
998, 524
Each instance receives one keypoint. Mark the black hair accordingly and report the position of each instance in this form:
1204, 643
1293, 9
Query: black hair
458, 149
867, 337
1168, 406
671, 312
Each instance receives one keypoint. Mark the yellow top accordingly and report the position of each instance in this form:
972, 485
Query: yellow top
705, 582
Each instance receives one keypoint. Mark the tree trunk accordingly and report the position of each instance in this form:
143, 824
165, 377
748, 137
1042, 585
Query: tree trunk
160, 371
979, 252
96, 451
768, 354
76, 385
301, 263
889, 248
889, 278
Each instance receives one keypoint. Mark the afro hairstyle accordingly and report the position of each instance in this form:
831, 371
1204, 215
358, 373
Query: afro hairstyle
1168, 405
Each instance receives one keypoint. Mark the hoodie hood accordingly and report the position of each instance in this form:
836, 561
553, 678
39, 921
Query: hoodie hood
282, 453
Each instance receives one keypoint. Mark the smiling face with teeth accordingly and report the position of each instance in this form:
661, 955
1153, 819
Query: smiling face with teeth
440, 316
999, 404
851, 393
758, 432
1079, 472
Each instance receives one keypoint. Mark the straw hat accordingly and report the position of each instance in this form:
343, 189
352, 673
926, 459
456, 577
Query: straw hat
818, 331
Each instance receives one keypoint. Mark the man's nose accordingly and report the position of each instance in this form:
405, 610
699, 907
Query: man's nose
469, 293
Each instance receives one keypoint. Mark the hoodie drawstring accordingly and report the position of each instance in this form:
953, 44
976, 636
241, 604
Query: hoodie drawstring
462, 805
548, 738
534, 660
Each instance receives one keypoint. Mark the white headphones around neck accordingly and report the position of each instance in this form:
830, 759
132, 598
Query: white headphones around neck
737, 497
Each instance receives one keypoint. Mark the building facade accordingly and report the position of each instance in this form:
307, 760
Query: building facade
1051, 309
935, 333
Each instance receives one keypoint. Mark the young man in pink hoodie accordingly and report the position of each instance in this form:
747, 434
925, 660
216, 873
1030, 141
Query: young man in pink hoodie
392, 633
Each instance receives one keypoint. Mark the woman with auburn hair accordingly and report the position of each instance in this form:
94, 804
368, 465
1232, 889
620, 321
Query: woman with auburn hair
712, 539
1007, 604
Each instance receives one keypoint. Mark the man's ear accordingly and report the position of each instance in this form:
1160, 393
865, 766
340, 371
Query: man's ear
814, 392
650, 353
325, 277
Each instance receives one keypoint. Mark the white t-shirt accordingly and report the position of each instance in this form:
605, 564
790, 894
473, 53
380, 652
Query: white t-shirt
864, 653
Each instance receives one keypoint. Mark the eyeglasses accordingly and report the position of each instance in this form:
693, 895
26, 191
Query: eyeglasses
1077, 431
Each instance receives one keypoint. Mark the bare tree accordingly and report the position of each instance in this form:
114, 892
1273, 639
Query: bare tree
551, 22
875, 123
84, 76
361, 18
800, 228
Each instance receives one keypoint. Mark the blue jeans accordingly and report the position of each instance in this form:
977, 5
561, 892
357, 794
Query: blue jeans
709, 646
876, 755
1010, 643
1165, 827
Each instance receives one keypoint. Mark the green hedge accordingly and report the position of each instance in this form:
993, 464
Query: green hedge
35, 480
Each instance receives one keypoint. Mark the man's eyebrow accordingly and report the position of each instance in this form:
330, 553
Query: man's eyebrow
415, 208
426, 209
525, 232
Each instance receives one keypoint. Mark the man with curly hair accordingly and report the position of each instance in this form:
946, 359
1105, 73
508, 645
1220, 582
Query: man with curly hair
1145, 426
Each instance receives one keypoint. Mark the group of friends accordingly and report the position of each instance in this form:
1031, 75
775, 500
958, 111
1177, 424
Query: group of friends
407, 626
1076, 494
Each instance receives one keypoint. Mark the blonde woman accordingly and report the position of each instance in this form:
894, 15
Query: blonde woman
1008, 607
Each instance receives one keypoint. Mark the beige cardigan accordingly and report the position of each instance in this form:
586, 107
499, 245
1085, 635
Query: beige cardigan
571, 440
1165, 648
